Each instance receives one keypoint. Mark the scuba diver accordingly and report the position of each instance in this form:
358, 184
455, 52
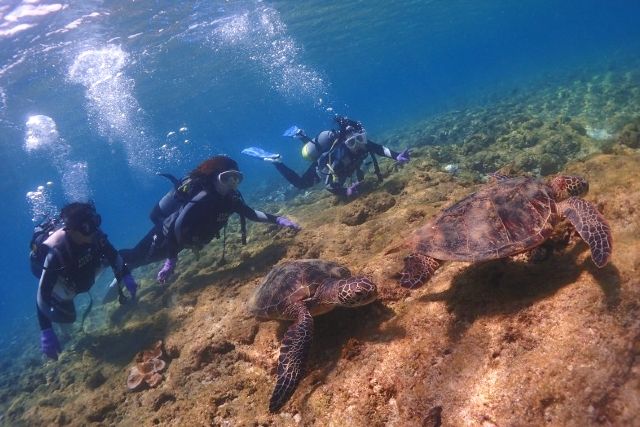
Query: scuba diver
193, 213
335, 155
347, 155
69, 259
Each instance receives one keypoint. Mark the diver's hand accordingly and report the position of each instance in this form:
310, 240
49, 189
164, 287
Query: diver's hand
286, 222
167, 270
352, 190
49, 344
131, 285
404, 157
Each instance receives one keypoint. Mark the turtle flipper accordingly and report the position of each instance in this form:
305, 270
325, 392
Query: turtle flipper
418, 268
293, 356
591, 226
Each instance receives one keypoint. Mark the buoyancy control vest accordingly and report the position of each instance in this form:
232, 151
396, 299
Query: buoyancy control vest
39, 249
185, 191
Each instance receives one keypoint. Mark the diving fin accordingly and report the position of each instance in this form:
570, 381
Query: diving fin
260, 153
293, 131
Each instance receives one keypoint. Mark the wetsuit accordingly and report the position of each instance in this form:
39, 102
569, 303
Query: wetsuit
69, 269
308, 179
193, 225
340, 163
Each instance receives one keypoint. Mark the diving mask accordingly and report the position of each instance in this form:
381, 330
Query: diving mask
90, 226
231, 178
87, 225
356, 140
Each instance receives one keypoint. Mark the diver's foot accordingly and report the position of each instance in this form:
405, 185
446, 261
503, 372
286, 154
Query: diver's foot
274, 159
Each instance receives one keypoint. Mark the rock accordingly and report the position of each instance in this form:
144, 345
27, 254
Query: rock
630, 134
162, 399
360, 211
95, 380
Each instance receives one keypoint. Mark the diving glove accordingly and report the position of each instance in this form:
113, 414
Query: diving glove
404, 157
167, 270
352, 190
131, 285
286, 222
49, 343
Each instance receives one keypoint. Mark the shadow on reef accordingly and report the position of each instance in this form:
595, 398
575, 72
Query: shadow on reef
266, 257
340, 334
505, 287
120, 347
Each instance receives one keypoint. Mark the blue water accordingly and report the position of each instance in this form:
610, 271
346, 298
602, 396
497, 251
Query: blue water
115, 78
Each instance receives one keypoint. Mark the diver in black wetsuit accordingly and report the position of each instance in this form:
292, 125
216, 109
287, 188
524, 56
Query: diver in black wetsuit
311, 151
193, 213
336, 155
73, 256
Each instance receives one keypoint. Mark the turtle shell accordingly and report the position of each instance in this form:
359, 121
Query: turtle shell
502, 219
290, 282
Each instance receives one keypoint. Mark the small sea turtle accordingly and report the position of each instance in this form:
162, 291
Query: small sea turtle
507, 217
298, 290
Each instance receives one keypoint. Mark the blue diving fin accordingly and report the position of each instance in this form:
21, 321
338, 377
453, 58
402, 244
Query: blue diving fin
292, 131
260, 153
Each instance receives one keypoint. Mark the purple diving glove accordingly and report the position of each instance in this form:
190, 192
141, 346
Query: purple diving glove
404, 157
167, 270
286, 222
49, 343
131, 285
352, 190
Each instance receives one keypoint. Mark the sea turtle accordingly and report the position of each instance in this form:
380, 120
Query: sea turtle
507, 217
298, 290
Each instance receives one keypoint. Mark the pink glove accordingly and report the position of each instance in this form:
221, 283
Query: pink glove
167, 270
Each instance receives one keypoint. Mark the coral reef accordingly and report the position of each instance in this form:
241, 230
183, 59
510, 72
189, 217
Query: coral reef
495, 343
148, 369
630, 134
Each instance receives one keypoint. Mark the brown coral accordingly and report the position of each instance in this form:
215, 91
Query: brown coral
148, 368
135, 381
153, 353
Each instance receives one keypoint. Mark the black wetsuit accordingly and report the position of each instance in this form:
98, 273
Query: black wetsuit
308, 179
69, 269
340, 163
193, 225
345, 164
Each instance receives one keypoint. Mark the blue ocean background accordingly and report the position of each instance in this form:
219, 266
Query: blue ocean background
135, 88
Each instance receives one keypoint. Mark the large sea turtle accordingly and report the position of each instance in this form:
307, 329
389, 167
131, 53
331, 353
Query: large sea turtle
507, 217
298, 290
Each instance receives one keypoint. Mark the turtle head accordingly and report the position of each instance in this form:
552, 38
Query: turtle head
565, 186
356, 291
